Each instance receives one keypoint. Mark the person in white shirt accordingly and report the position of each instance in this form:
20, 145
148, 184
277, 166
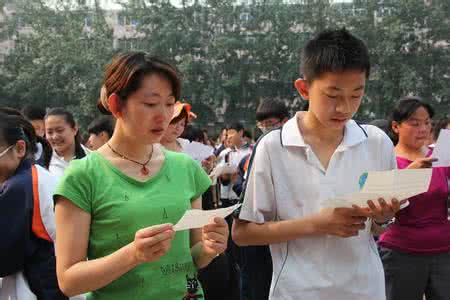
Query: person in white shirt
320, 253
238, 149
62, 133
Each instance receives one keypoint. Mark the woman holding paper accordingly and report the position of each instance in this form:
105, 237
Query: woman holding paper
416, 247
115, 208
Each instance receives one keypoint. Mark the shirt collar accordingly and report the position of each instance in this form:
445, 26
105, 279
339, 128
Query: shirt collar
291, 135
354, 134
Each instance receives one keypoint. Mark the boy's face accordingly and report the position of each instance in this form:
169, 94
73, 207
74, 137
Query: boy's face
39, 127
234, 137
95, 141
334, 97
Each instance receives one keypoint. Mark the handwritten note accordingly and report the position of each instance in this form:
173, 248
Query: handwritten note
398, 184
197, 218
442, 149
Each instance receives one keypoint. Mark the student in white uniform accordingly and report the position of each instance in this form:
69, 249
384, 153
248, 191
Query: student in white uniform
64, 137
320, 253
238, 149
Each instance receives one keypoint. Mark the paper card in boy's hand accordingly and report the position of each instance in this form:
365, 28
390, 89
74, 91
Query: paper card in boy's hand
398, 184
198, 151
222, 169
197, 218
442, 149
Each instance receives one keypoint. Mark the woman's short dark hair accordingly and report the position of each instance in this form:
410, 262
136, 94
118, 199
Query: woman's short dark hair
403, 110
124, 75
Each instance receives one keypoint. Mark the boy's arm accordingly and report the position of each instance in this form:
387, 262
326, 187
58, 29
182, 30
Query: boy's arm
247, 233
342, 222
259, 208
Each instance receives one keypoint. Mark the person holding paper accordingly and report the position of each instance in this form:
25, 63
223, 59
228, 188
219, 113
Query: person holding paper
116, 207
317, 252
415, 250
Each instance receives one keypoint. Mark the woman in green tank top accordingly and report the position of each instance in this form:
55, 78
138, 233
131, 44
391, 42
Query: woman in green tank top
115, 208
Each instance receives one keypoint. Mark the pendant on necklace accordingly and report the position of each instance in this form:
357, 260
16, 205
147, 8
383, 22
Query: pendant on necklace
145, 171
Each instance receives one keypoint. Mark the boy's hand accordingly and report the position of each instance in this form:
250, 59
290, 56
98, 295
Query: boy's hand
382, 211
342, 222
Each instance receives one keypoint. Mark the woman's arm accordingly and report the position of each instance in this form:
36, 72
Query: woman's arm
209, 241
76, 275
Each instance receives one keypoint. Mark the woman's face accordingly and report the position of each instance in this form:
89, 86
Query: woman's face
175, 130
415, 131
60, 134
147, 112
10, 158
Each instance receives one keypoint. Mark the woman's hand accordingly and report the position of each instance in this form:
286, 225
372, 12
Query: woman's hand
151, 243
215, 237
421, 163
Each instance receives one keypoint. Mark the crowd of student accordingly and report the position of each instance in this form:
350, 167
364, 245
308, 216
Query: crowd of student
93, 217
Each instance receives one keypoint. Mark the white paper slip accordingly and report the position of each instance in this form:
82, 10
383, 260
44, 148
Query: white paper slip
197, 218
221, 169
398, 184
198, 151
442, 149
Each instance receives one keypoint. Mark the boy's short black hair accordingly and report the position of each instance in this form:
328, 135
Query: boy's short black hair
193, 134
248, 134
33, 113
334, 51
236, 126
271, 108
103, 123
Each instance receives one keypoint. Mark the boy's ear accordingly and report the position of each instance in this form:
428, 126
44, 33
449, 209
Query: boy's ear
394, 125
103, 135
114, 105
302, 87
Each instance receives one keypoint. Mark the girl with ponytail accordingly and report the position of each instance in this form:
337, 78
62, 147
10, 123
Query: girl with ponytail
63, 135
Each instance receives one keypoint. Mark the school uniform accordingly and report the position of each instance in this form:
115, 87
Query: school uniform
234, 157
287, 181
58, 164
27, 255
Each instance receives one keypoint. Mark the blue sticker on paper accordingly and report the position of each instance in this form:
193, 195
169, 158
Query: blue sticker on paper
362, 179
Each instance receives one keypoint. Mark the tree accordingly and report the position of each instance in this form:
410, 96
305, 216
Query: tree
58, 60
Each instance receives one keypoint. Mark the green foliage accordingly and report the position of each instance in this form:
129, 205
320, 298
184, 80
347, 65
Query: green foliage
230, 56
